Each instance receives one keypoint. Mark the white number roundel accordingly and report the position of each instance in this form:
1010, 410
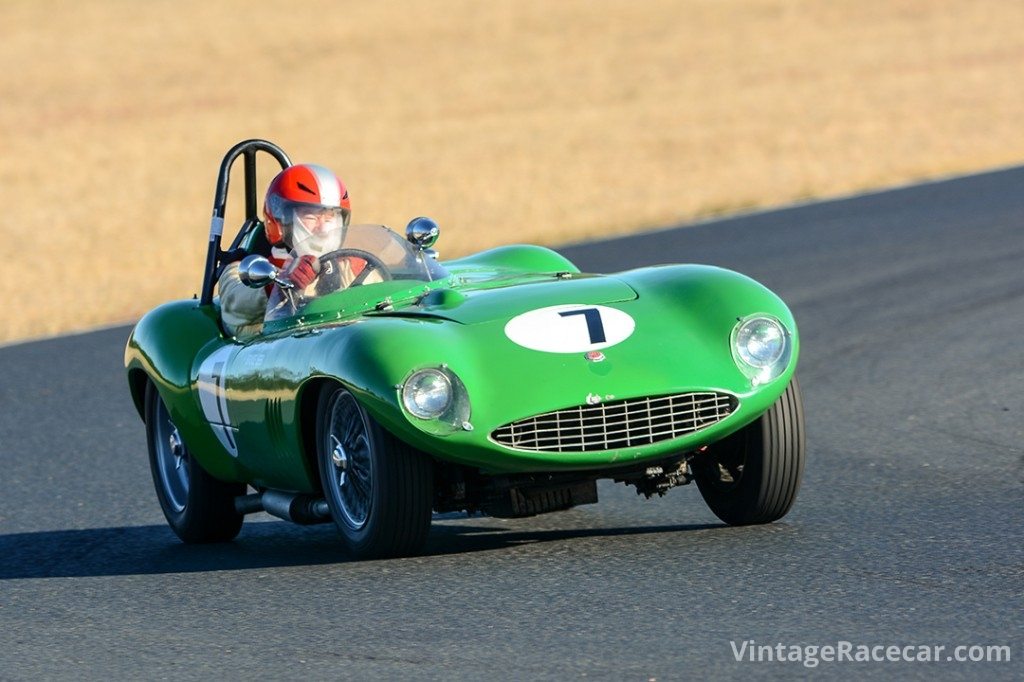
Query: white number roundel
574, 328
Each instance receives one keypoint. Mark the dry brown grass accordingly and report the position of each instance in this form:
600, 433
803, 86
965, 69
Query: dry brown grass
512, 120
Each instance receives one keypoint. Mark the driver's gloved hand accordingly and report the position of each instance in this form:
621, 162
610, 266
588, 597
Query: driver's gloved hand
304, 272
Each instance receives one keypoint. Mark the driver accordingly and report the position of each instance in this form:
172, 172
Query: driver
307, 212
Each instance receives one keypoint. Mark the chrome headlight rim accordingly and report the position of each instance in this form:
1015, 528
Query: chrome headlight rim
454, 418
415, 381
745, 339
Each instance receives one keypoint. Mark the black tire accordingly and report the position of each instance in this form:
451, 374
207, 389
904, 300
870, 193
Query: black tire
380, 490
198, 507
753, 475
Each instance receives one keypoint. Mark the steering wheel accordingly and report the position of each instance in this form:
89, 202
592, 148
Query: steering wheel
373, 263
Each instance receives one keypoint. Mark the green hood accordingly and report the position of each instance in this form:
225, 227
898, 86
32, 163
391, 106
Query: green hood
469, 306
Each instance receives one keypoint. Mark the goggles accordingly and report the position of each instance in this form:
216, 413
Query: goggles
311, 216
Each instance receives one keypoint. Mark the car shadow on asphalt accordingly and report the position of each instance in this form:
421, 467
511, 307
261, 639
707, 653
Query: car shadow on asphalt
147, 550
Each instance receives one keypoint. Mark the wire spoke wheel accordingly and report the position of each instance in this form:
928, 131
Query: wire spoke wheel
379, 489
753, 475
197, 506
352, 474
172, 460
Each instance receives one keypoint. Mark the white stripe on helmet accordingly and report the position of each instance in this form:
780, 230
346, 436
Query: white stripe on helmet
327, 183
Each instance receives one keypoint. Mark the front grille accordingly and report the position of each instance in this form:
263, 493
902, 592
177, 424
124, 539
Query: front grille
618, 424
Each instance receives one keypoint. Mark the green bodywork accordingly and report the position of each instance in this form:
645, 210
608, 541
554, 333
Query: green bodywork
370, 338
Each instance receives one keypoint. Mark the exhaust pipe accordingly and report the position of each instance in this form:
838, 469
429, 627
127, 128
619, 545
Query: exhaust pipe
294, 507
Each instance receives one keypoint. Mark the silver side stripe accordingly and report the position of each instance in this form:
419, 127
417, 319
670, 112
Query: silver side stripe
213, 397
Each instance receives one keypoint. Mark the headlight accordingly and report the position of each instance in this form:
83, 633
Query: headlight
437, 400
427, 393
761, 347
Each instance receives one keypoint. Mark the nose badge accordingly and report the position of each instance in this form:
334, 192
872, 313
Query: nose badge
595, 356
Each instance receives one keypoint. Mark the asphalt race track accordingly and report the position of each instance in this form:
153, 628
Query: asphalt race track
908, 529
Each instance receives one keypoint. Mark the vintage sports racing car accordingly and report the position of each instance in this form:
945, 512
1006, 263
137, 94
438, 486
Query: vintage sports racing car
506, 382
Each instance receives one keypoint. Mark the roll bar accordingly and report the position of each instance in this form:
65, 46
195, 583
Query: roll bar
214, 255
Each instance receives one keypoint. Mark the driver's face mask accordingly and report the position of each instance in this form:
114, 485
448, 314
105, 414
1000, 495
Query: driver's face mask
317, 230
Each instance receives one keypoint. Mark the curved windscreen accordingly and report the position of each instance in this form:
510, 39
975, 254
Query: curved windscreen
359, 255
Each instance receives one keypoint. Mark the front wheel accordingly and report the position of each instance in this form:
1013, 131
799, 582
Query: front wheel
198, 507
753, 475
379, 490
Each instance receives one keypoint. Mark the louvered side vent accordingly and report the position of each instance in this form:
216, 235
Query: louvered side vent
275, 422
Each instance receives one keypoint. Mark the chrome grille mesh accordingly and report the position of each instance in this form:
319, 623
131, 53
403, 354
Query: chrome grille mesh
618, 424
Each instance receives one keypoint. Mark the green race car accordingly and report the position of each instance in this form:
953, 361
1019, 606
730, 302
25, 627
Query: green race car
507, 382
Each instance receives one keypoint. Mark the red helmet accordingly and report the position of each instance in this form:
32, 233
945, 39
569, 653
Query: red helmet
305, 185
